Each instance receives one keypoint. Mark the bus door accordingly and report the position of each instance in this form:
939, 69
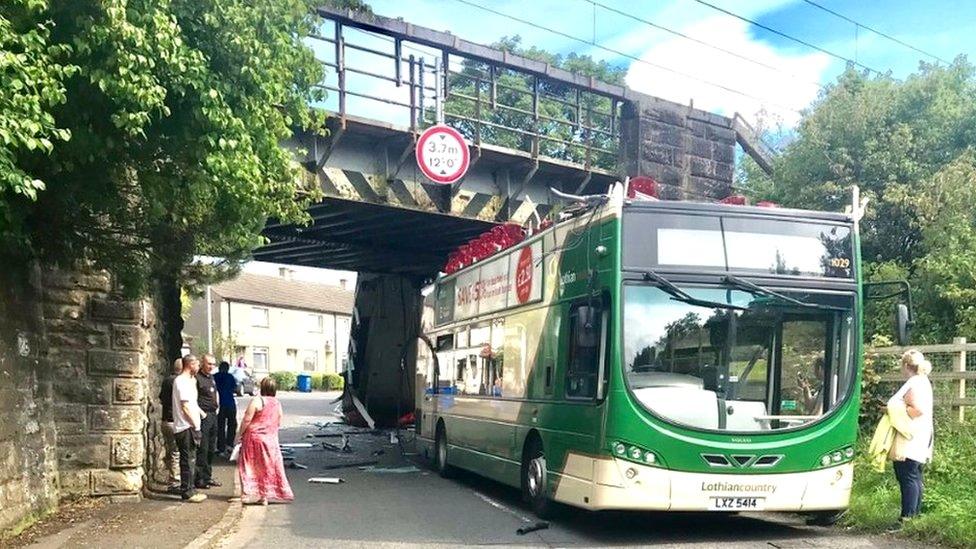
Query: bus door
436, 364
583, 373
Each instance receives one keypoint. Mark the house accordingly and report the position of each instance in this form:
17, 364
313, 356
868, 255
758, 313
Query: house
276, 323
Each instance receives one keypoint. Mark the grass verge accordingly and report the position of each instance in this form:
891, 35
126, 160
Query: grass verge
949, 506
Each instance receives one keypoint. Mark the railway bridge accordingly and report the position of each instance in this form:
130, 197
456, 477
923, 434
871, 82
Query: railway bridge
531, 127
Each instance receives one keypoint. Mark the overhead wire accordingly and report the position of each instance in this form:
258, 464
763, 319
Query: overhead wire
875, 31
628, 56
790, 37
690, 38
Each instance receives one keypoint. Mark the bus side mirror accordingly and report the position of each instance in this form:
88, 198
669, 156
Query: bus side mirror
586, 326
903, 324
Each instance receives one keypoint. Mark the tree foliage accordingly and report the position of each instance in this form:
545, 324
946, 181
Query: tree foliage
908, 144
32, 73
176, 110
511, 120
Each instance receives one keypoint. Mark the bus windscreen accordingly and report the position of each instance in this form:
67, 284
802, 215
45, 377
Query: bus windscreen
765, 365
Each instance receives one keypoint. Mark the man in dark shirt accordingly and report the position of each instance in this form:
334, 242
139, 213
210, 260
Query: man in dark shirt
171, 459
227, 417
208, 400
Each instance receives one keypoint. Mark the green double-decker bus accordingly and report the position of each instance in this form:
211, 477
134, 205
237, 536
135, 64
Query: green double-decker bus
653, 355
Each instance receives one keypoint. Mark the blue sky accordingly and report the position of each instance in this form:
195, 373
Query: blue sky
938, 26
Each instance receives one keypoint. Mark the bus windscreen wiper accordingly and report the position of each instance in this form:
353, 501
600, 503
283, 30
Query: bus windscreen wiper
756, 289
677, 293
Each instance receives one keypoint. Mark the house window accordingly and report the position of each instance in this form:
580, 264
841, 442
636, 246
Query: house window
261, 359
292, 359
310, 360
259, 317
314, 323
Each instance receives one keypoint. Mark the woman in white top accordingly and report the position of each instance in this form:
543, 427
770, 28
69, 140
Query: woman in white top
910, 455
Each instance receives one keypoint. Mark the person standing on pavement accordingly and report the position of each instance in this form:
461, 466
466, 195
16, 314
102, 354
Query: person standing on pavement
910, 455
209, 402
227, 416
260, 465
186, 425
171, 459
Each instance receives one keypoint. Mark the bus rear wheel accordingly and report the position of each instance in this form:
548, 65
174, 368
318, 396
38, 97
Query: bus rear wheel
535, 479
440, 453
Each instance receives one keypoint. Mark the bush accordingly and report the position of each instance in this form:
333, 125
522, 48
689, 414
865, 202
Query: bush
333, 382
947, 508
318, 382
287, 381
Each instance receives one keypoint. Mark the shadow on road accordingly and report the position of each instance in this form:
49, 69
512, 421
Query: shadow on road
632, 527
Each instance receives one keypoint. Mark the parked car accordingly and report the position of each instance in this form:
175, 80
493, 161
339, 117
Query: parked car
245, 384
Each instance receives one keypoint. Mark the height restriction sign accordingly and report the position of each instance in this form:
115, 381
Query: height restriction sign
442, 154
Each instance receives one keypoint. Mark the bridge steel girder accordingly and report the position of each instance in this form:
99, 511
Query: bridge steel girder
373, 162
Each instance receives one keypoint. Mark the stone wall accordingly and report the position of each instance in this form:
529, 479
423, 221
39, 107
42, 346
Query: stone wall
100, 347
690, 152
79, 373
28, 461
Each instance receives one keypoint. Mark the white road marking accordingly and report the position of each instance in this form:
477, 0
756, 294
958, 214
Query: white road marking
502, 507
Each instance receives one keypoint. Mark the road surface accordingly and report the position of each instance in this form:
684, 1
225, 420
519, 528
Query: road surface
373, 508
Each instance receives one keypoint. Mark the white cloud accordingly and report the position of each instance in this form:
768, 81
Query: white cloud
780, 93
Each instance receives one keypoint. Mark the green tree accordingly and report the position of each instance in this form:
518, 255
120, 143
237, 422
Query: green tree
32, 72
907, 144
176, 111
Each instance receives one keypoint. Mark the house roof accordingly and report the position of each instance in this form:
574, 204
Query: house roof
279, 292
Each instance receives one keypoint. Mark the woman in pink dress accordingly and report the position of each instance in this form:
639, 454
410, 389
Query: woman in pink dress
259, 463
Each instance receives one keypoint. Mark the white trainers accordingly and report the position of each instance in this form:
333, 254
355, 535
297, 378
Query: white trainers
196, 498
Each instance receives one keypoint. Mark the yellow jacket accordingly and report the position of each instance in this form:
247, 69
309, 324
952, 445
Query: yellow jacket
894, 426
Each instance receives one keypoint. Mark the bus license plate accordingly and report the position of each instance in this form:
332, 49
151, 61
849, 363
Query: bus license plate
727, 504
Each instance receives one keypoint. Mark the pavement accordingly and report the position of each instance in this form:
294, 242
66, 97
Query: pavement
400, 501
159, 520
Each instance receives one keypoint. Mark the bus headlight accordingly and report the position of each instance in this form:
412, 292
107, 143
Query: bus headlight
841, 455
631, 452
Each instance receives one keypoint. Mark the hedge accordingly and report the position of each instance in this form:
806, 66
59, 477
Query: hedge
288, 381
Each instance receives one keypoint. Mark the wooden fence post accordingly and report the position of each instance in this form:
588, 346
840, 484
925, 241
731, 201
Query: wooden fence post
960, 366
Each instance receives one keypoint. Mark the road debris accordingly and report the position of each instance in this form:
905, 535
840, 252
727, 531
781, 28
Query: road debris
343, 448
325, 480
362, 411
295, 465
297, 445
532, 528
351, 464
391, 470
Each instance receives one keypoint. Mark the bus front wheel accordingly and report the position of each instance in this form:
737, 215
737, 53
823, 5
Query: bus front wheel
825, 518
535, 477
440, 453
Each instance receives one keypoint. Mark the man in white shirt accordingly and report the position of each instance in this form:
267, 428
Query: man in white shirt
186, 425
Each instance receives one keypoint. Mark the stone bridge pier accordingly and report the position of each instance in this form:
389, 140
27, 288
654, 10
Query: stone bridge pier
80, 368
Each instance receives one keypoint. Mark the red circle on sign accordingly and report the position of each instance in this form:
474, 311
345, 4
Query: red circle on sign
523, 275
443, 136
